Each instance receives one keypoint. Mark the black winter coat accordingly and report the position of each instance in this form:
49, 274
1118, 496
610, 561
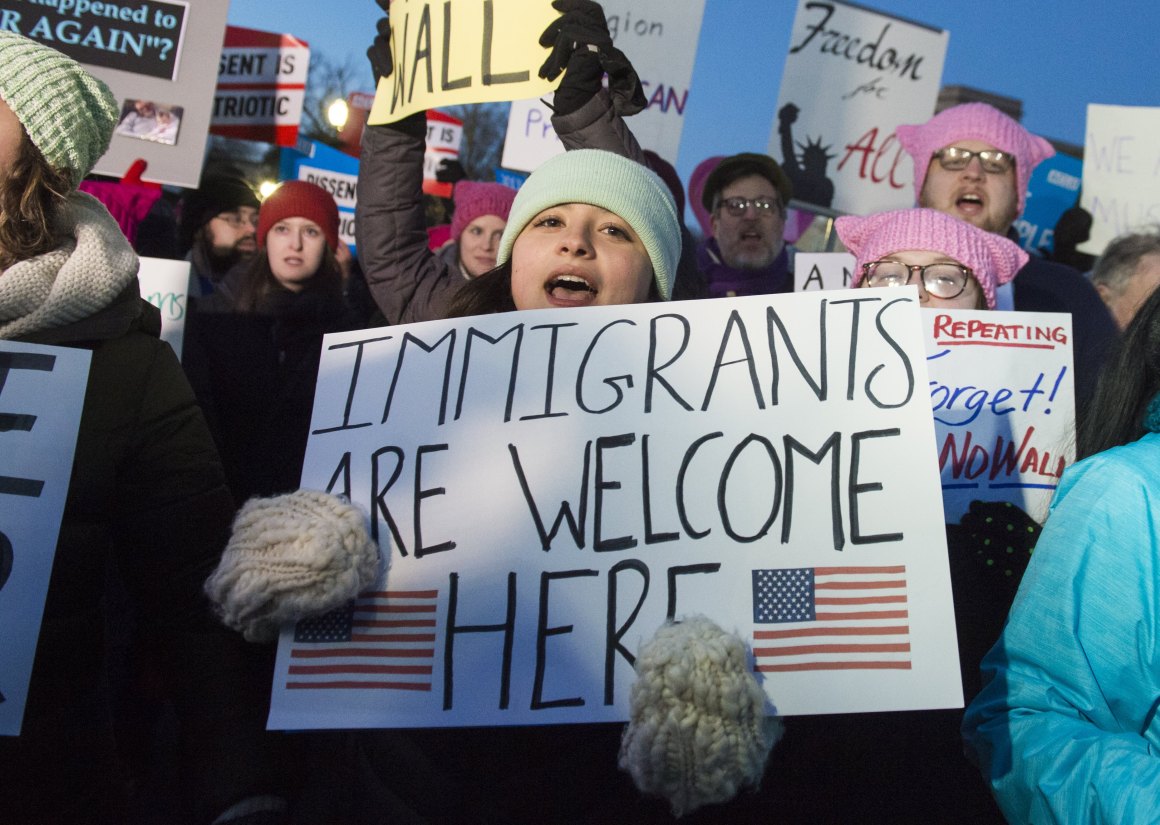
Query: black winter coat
147, 507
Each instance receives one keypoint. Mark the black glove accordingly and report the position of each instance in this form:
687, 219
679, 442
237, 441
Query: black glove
450, 171
582, 30
379, 52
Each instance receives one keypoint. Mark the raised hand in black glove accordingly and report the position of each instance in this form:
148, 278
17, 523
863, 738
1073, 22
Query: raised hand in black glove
450, 171
578, 35
379, 52
580, 25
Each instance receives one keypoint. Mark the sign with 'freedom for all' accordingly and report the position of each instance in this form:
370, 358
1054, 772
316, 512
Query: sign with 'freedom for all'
549, 486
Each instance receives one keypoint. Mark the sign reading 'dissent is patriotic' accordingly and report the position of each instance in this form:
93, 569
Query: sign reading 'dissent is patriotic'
42, 391
261, 86
548, 486
851, 76
1002, 390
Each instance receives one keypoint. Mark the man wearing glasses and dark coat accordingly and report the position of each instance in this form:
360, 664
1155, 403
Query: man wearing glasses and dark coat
219, 222
746, 196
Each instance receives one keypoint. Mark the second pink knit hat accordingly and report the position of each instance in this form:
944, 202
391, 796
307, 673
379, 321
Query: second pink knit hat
992, 258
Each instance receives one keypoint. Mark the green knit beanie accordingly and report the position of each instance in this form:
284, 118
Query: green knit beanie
610, 181
68, 114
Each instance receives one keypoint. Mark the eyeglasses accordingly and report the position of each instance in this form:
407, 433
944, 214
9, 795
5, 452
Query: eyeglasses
237, 221
738, 206
994, 162
940, 280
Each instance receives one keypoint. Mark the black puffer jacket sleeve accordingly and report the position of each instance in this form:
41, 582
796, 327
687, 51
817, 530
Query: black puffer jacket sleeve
408, 282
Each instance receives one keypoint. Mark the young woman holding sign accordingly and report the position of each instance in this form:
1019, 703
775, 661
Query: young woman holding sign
147, 510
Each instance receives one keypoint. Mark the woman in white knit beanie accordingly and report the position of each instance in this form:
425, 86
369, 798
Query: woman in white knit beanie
146, 512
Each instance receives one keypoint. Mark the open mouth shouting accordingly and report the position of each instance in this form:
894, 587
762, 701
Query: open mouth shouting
569, 289
969, 203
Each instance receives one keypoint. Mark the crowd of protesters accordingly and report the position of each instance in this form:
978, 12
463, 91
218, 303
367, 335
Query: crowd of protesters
150, 688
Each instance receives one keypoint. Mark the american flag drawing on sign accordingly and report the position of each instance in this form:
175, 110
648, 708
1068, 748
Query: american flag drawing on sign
831, 618
381, 641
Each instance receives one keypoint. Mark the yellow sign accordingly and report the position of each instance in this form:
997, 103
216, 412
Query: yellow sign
462, 51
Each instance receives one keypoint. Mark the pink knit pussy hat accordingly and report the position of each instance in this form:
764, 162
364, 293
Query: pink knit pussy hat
992, 258
974, 121
474, 200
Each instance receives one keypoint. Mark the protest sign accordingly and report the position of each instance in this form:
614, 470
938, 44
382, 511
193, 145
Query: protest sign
261, 86
851, 76
1052, 190
449, 53
444, 135
1121, 172
548, 486
1002, 391
165, 284
660, 38
822, 270
142, 50
141, 37
334, 171
42, 391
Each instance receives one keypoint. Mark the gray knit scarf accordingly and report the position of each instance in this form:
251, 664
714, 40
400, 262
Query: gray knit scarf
90, 267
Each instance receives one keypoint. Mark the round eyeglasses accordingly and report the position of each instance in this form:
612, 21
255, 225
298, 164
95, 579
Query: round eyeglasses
955, 159
738, 206
944, 281
237, 221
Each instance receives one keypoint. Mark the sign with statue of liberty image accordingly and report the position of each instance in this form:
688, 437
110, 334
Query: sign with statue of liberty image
851, 76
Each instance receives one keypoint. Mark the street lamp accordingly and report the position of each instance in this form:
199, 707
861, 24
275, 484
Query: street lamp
337, 113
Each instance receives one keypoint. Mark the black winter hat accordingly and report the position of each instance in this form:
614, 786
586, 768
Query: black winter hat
217, 193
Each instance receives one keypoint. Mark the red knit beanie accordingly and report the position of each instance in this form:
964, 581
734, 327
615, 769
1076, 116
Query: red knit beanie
299, 199
474, 200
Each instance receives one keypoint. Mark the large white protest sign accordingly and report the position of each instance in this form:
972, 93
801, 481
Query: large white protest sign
822, 270
1002, 390
161, 54
548, 486
1121, 172
852, 75
660, 38
261, 86
165, 284
42, 390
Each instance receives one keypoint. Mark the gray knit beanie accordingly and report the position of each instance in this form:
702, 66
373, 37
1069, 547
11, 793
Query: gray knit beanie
610, 181
68, 114
291, 556
697, 731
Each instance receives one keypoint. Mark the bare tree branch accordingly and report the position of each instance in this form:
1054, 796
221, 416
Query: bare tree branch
484, 128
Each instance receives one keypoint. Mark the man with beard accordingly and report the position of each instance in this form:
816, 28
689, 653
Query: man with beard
746, 196
974, 162
218, 224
